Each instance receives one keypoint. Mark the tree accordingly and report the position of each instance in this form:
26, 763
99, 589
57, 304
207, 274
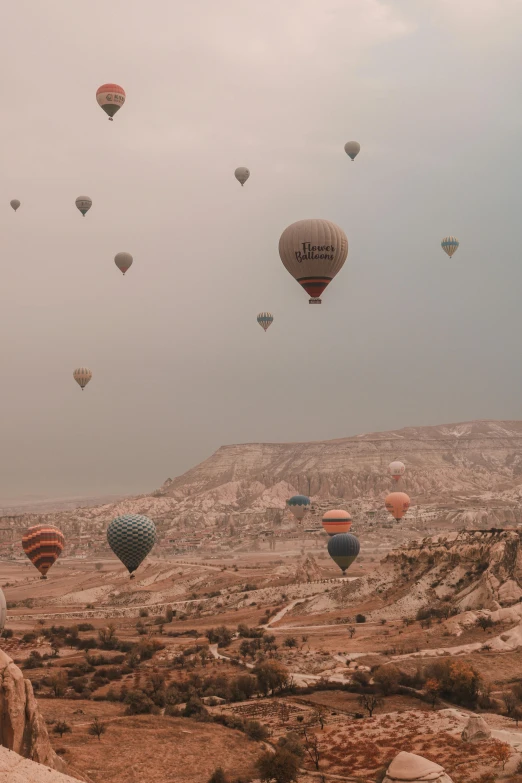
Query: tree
290, 641
292, 743
432, 688
319, 715
107, 637
351, 631
58, 684
98, 566
311, 746
97, 728
511, 702
517, 715
218, 776
485, 622
281, 766
61, 727
370, 702
360, 618
501, 752
387, 679
256, 731
271, 676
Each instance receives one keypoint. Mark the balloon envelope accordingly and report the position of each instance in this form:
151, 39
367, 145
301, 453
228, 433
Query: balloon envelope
352, 149
396, 469
111, 98
43, 545
82, 376
3, 610
343, 548
123, 261
298, 505
241, 174
131, 537
336, 521
397, 503
83, 203
264, 320
313, 251
15, 204
449, 245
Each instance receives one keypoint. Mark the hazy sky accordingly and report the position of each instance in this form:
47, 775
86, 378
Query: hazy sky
432, 91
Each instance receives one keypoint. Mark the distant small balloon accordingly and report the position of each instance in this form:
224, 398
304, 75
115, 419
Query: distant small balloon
298, 505
396, 469
352, 149
111, 98
242, 174
82, 376
397, 503
3, 610
15, 204
123, 261
450, 245
336, 522
83, 203
264, 320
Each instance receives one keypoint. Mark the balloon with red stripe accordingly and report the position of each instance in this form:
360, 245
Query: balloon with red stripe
43, 545
336, 521
111, 98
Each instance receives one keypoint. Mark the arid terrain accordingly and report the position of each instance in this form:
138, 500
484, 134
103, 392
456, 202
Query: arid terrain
239, 636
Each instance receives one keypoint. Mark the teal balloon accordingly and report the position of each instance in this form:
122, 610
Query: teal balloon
298, 505
131, 537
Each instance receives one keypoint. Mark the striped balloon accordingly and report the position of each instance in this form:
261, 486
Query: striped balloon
83, 203
264, 320
397, 503
131, 537
343, 549
337, 522
82, 376
43, 545
110, 97
449, 245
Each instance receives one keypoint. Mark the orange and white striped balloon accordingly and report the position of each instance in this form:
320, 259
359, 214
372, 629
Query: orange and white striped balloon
397, 503
110, 97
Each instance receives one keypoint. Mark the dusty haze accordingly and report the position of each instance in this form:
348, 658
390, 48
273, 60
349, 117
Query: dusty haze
180, 366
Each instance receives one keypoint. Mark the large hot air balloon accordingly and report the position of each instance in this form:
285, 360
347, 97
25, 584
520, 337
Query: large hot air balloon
352, 149
43, 545
264, 320
15, 204
110, 97
3, 610
396, 469
82, 376
131, 537
337, 522
242, 174
313, 251
123, 261
449, 245
83, 203
343, 548
397, 503
298, 505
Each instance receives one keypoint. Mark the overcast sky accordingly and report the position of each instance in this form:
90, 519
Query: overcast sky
405, 336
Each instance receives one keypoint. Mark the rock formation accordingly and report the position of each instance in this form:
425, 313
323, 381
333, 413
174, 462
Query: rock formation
308, 570
410, 767
15, 769
476, 730
22, 728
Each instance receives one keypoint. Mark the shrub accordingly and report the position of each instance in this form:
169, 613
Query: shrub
360, 618
7, 633
281, 766
61, 728
256, 730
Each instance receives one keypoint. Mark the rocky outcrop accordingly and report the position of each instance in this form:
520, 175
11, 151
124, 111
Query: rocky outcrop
16, 769
22, 728
476, 730
308, 570
410, 767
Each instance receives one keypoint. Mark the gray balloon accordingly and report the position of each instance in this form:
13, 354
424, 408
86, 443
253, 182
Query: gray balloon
352, 149
15, 204
242, 174
123, 261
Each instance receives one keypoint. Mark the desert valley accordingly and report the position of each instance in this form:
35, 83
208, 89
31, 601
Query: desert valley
241, 644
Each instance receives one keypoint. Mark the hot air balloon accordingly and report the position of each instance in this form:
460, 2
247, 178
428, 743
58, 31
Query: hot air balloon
313, 251
43, 545
82, 376
3, 610
264, 320
241, 174
449, 245
343, 548
396, 469
298, 505
131, 537
352, 149
337, 522
397, 503
84, 204
15, 204
110, 97
123, 261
